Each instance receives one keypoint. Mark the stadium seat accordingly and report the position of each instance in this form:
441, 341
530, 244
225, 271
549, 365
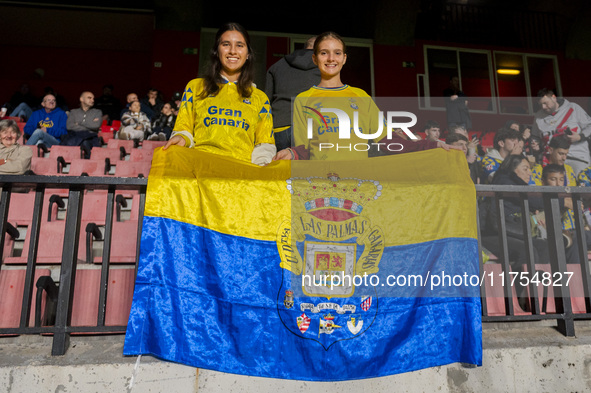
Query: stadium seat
487, 140
12, 286
89, 167
151, 145
69, 153
86, 296
116, 124
117, 143
107, 136
132, 168
144, 155
100, 154
45, 166
495, 295
51, 233
575, 284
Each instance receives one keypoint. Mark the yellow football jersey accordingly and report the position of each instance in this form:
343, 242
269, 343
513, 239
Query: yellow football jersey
227, 123
324, 142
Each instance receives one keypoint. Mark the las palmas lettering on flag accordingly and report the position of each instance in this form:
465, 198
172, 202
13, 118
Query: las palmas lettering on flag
311, 270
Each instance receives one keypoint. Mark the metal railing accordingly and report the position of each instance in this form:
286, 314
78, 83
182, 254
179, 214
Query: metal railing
78, 186
556, 252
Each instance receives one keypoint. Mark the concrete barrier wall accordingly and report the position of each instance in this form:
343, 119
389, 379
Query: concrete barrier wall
515, 360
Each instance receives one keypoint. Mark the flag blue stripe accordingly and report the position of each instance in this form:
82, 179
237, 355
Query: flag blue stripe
215, 301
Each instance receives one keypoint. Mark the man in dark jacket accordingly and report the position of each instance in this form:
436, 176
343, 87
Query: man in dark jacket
286, 79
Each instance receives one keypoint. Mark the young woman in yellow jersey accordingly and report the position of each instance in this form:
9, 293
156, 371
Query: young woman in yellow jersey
330, 56
223, 112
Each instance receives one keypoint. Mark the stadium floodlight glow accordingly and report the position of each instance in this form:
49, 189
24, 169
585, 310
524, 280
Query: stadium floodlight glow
508, 71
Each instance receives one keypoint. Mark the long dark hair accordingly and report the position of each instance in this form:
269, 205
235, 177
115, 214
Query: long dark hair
212, 77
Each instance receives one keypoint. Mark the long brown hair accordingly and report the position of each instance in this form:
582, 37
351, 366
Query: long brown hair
212, 77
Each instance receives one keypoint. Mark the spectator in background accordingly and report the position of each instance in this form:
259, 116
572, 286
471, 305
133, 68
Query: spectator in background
163, 125
559, 116
176, 99
47, 125
512, 124
22, 103
505, 142
15, 159
153, 101
291, 75
132, 97
432, 131
557, 153
83, 124
108, 104
59, 99
471, 156
456, 105
134, 123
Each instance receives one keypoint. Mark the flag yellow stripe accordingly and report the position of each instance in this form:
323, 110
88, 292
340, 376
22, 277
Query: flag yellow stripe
241, 199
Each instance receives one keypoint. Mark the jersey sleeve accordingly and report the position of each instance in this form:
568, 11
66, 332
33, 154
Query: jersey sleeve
584, 177
536, 174
185, 121
299, 123
264, 126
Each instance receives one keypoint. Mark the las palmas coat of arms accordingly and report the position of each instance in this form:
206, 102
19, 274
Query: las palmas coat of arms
327, 250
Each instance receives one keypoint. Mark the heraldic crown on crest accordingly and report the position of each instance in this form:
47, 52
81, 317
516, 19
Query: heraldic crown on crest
333, 192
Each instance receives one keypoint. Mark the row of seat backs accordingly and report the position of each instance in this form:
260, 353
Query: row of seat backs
52, 228
85, 305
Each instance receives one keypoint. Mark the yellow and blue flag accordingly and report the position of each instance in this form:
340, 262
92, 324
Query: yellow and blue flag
311, 270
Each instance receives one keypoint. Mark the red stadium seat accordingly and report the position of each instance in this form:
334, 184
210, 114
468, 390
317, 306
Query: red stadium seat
90, 167
495, 295
69, 153
51, 235
487, 140
141, 155
107, 136
99, 154
151, 145
132, 168
575, 284
12, 285
86, 296
44, 166
118, 143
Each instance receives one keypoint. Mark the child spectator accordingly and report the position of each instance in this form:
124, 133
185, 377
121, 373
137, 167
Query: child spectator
164, 123
134, 123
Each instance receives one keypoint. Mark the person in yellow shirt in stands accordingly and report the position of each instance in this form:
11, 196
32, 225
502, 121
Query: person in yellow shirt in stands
223, 112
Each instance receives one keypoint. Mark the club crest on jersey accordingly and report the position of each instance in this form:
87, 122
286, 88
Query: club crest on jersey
246, 101
326, 245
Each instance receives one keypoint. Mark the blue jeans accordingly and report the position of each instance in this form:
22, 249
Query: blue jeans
39, 136
22, 110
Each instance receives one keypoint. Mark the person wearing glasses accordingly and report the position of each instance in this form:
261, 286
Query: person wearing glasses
46, 125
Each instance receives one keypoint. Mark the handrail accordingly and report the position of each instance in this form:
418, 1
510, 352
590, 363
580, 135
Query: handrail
77, 186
